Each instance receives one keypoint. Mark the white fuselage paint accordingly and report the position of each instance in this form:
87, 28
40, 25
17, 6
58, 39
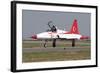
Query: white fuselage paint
49, 34
54, 35
70, 36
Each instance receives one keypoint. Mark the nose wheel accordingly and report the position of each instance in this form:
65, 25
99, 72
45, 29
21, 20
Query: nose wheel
45, 44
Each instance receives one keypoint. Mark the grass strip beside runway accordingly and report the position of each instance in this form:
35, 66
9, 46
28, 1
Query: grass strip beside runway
55, 56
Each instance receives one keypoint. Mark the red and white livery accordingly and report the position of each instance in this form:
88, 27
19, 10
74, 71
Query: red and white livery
61, 34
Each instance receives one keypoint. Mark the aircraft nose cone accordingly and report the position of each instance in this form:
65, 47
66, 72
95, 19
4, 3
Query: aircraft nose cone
34, 37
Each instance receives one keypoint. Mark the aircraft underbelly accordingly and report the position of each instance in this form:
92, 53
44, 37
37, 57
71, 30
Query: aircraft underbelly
70, 36
55, 35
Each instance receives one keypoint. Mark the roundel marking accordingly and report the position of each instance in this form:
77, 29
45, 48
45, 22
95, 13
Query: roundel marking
74, 29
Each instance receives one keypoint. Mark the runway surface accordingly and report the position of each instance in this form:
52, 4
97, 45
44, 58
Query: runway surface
56, 49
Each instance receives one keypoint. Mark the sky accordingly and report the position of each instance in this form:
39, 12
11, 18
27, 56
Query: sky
34, 22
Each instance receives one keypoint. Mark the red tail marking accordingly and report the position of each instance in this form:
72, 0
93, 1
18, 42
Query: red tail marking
74, 28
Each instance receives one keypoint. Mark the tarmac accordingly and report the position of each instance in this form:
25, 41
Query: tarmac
56, 49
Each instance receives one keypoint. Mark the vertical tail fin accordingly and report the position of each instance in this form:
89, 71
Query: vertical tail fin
74, 29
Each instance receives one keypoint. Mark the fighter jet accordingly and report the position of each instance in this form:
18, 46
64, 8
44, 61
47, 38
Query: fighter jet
54, 33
